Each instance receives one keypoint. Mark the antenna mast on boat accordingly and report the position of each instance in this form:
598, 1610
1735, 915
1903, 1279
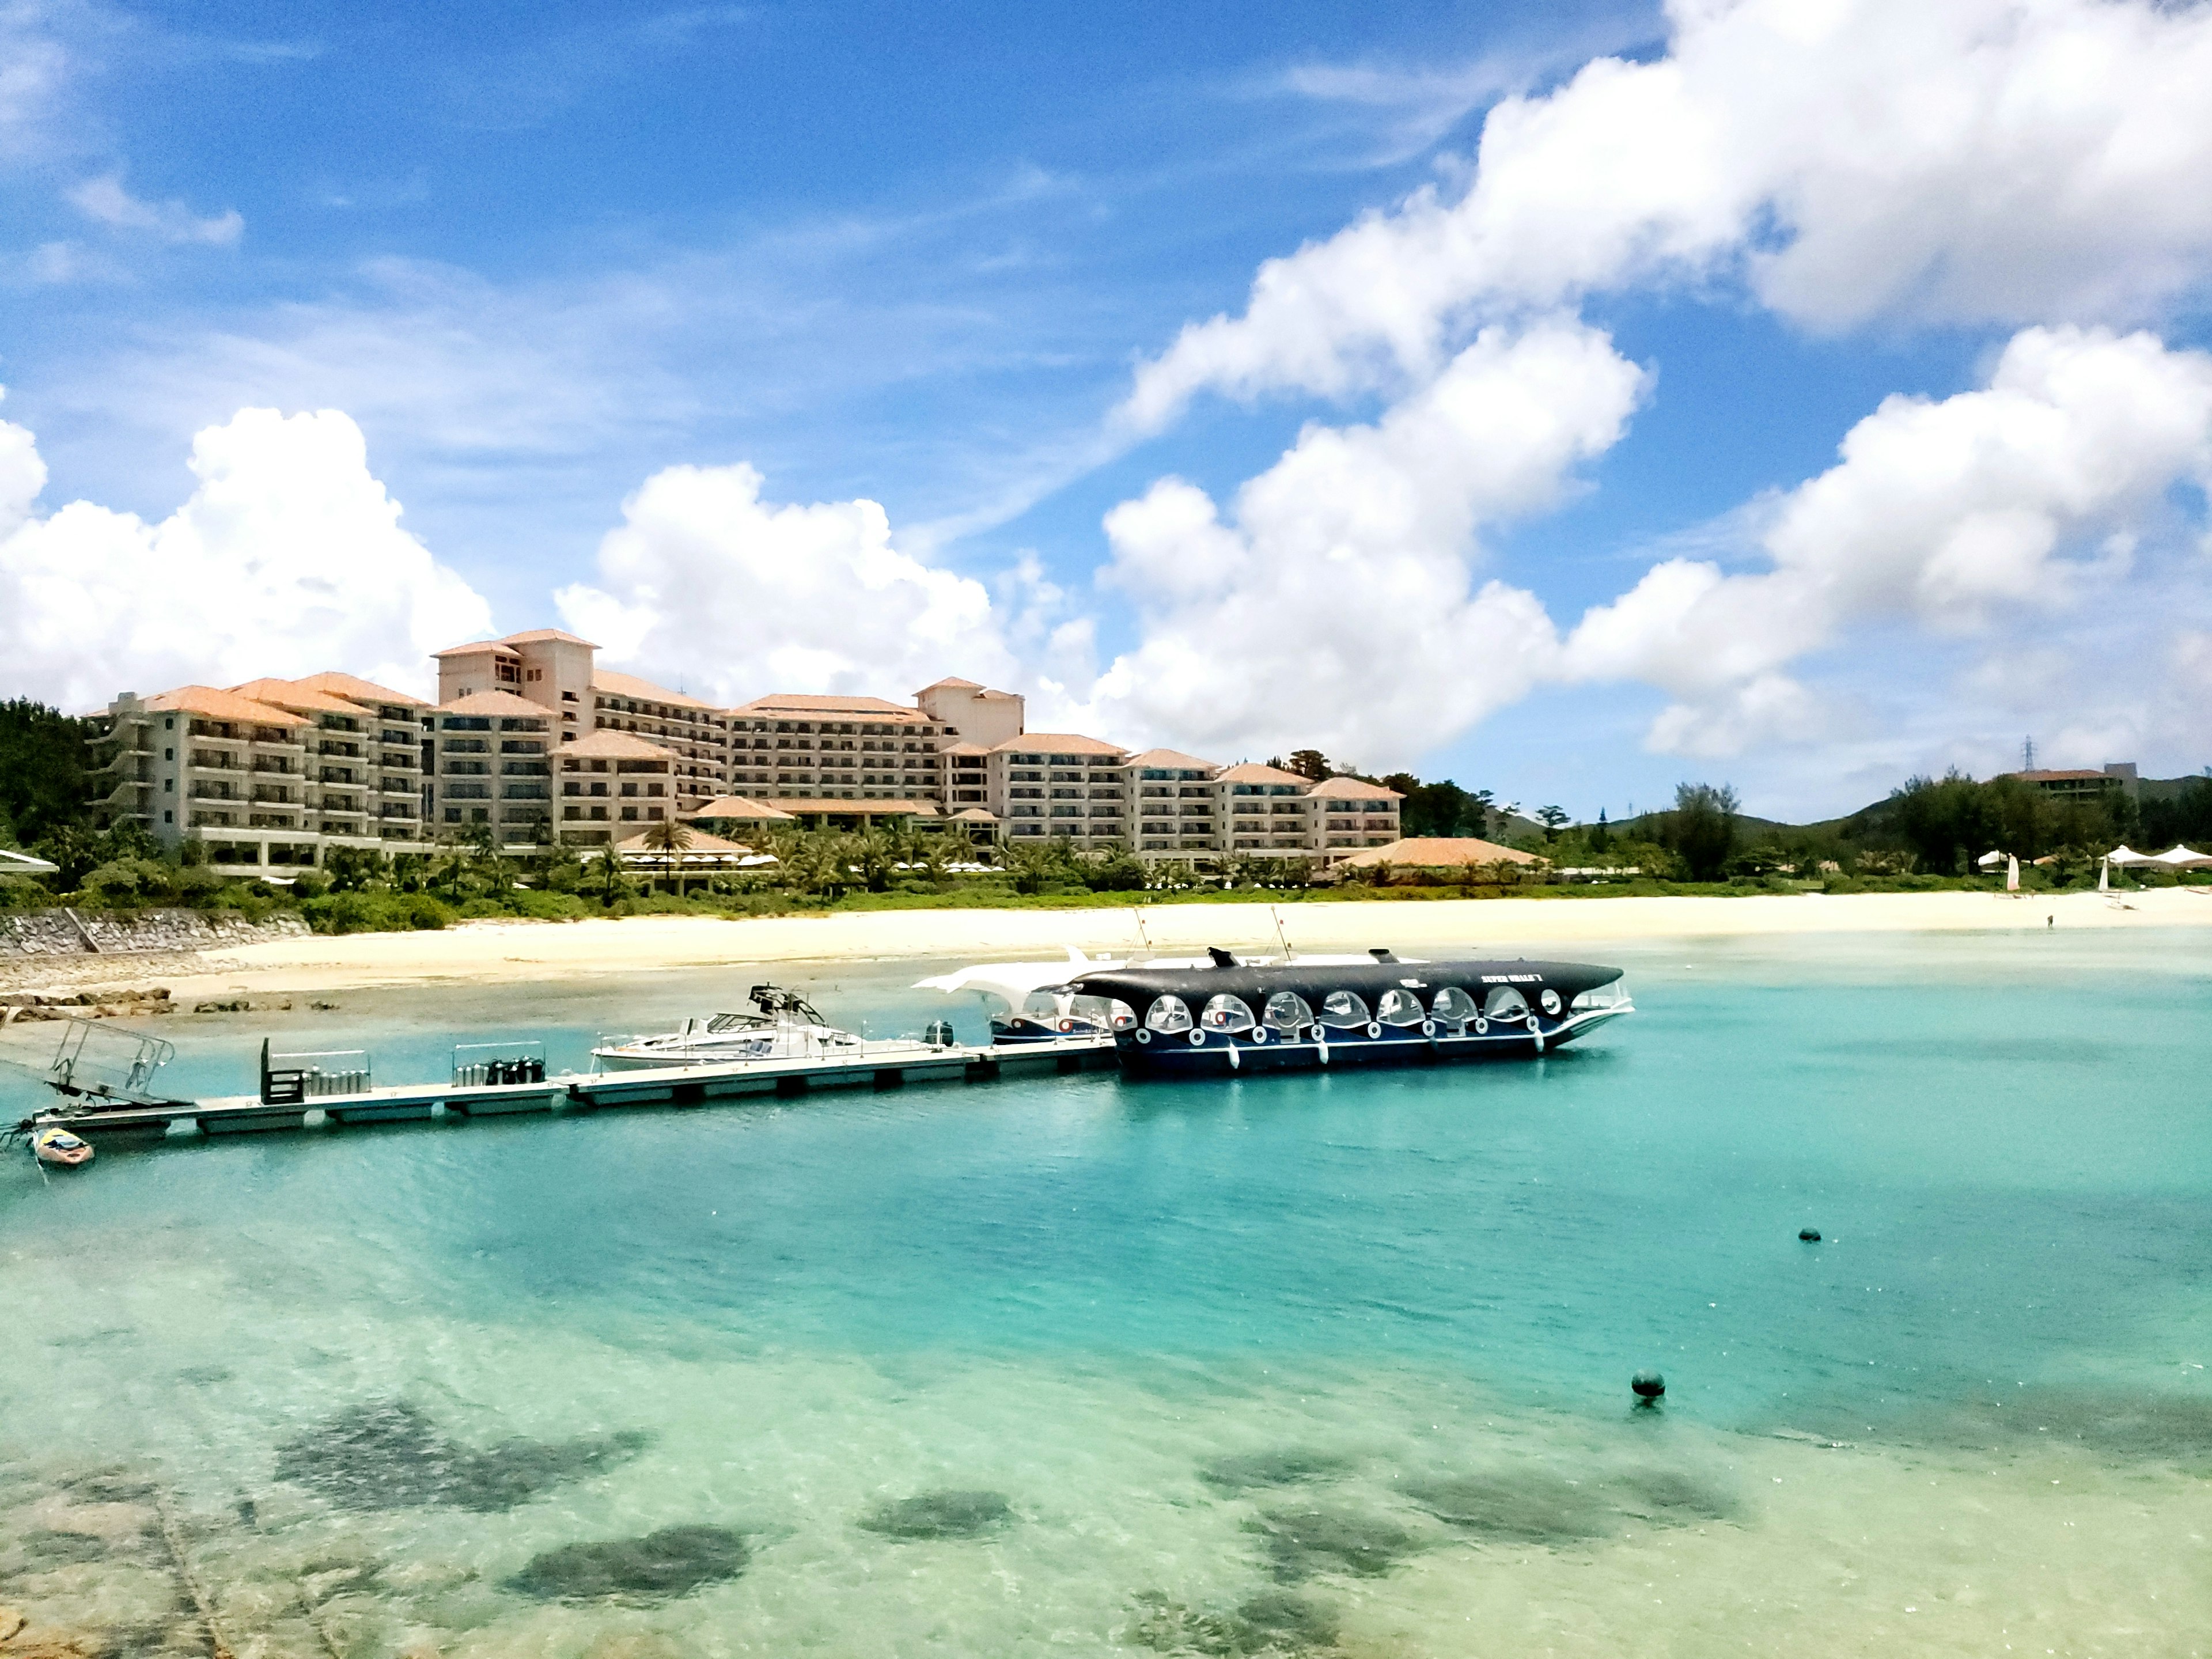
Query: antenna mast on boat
1281, 937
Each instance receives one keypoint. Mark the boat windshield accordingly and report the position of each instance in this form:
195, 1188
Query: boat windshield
1400, 1008
1503, 1002
1119, 1015
1098, 1011
1343, 1010
726, 1022
1169, 1014
1227, 1013
1453, 1006
1286, 1010
1047, 1004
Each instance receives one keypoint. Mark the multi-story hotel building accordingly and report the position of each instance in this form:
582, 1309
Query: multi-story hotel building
532, 740
271, 772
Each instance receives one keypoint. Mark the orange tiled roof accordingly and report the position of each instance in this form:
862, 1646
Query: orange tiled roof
1064, 743
1352, 789
732, 806
292, 695
1173, 759
617, 745
222, 705
1438, 852
1253, 772
808, 704
495, 702
628, 685
352, 685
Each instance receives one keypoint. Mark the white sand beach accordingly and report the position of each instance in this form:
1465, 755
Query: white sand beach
524, 951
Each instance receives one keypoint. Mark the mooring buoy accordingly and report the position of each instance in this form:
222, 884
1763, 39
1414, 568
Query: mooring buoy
1648, 1385
1810, 1235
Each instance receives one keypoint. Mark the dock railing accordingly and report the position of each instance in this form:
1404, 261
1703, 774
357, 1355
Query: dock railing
479, 1064
293, 1079
98, 1059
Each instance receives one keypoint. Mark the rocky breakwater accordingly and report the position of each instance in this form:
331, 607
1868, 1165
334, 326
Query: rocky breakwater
85, 1005
71, 933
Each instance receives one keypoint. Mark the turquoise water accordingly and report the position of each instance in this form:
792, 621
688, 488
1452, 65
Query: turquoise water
1307, 1364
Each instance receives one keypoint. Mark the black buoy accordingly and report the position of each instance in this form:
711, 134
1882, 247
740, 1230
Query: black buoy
1649, 1386
1810, 1235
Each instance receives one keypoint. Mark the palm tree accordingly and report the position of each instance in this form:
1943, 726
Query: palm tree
669, 838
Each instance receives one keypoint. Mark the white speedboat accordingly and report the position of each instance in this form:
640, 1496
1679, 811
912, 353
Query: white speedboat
785, 1027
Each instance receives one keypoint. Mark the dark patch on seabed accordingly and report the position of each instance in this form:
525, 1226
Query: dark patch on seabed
940, 1515
2145, 1428
390, 1455
1272, 1622
657, 1567
1248, 1471
1316, 1538
1542, 1506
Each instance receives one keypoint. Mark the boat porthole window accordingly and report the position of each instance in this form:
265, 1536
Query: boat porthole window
1452, 1007
1534, 1022
1343, 1010
1143, 1036
1287, 1012
1399, 1008
1481, 1026
1259, 1034
1169, 1014
1228, 1014
1428, 1028
1197, 1038
1550, 1001
1373, 1029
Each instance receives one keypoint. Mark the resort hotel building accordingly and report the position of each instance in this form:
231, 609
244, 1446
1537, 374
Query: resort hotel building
532, 742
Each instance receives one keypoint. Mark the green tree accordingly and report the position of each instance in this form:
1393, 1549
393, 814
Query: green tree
46, 762
1554, 819
1701, 829
1310, 763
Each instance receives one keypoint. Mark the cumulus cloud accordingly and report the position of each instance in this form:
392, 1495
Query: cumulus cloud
105, 199
286, 558
706, 583
1950, 515
1337, 605
2021, 161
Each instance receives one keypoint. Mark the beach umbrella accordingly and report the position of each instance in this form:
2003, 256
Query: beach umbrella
2012, 873
1990, 860
2124, 854
2181, 857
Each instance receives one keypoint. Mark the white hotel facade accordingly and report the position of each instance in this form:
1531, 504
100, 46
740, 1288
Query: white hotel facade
531, 738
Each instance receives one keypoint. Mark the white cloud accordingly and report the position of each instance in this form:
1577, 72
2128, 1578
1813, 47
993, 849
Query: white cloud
2019, 160
1950, 515
105, 199
286, 558
706, 583
1338, 607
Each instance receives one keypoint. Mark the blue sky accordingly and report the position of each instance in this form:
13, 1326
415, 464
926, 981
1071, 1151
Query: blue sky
919, 256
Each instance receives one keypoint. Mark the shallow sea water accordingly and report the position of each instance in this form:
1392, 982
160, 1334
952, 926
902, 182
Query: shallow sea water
1292, 1366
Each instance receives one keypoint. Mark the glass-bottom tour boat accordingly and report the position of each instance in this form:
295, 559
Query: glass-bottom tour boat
1209, 1021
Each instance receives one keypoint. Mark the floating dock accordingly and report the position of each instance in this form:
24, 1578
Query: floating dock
314, 1097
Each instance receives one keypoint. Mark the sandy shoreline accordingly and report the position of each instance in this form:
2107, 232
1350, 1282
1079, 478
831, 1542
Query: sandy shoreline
475, 952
